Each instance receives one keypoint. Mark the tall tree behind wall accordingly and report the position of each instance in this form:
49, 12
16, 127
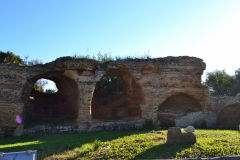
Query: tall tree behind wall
10, 57
236, 87
222, 84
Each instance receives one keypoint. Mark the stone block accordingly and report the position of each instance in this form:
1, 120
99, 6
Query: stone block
175, 136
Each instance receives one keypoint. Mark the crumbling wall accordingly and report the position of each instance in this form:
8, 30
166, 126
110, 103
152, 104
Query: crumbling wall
12, 80
227, 110
229, 116
148, 84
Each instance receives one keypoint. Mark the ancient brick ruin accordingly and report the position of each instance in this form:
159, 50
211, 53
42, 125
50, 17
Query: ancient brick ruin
156, 93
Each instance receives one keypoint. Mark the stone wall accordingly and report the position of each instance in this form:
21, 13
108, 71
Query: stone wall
227, 110
149, 84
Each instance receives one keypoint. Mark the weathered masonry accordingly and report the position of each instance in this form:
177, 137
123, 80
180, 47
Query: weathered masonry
123, 94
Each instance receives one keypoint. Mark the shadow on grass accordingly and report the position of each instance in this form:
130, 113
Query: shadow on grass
53, 144
162, 151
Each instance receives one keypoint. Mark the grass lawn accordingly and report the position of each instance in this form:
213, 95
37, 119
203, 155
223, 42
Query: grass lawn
125, 145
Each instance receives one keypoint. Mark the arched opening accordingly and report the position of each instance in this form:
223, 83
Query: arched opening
117, 96
175, 107
229, 116
45, 86
51, 98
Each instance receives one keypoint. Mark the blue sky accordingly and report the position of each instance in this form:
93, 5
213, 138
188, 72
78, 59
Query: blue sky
47, 29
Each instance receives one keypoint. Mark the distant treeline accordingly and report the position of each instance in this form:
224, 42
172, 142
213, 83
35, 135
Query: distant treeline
222, 84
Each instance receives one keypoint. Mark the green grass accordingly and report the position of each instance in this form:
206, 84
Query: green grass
125, 145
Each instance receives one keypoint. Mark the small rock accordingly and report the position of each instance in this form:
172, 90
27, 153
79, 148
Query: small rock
175, 136
189, 129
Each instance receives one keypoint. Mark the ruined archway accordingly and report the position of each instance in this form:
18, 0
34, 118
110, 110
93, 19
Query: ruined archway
175, 107
117, 96
229, 116
48, 107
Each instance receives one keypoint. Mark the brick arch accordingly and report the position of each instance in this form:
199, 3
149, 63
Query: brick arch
58, 108
229, 116
175, 107
120, 105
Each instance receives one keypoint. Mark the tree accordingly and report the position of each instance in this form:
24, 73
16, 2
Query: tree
236, 86
220, 83
10, 57
110, 85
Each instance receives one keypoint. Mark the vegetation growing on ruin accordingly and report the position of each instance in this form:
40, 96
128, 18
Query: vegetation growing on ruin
106, 57
125, 145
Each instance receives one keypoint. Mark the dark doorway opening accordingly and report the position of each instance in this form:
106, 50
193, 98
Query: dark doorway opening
175, 107
117, 96
54, 105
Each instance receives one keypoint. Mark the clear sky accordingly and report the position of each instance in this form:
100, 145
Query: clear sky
47, 29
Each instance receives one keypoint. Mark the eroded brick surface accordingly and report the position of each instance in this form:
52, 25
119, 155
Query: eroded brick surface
150, 88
